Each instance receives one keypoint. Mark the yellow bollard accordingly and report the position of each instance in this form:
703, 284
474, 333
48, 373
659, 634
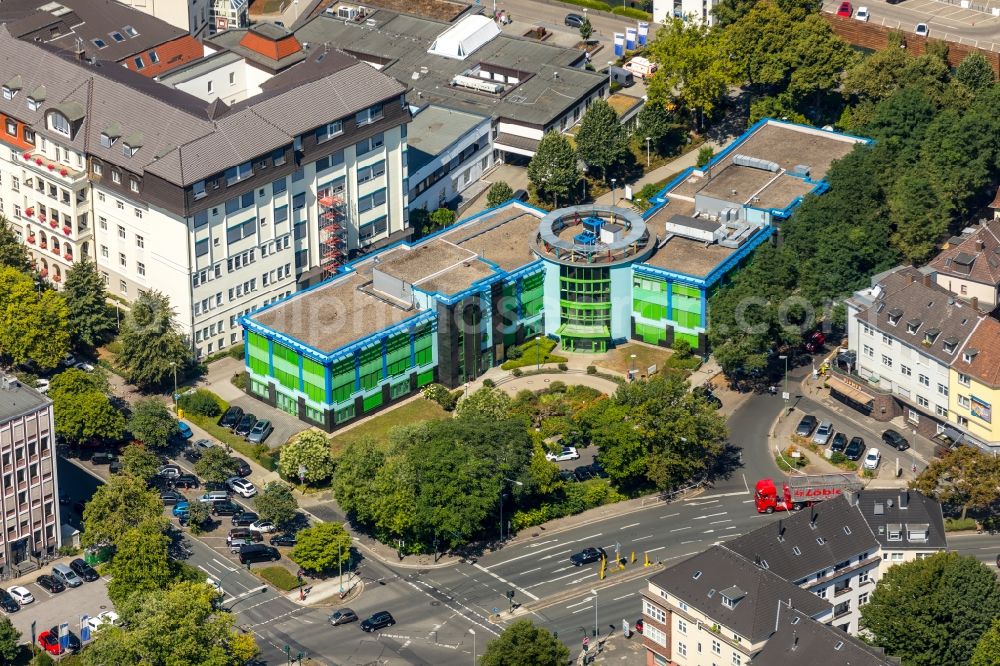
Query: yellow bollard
645, 559
604, 563
633, 556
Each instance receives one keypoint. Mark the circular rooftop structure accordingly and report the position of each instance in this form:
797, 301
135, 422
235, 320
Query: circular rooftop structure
593, 235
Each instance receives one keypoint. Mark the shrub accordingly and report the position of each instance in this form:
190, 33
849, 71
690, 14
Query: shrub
632, 13
441, 395
241, 380
280, 577
591, 369
705, 155
200, 402
682, 348
563, 367
868, 473
236, 351
514, 353
489, 383
838, 458
517, 372
69, 551
958, 524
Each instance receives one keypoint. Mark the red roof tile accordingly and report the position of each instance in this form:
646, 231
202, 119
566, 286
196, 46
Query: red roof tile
985, 364
276, 49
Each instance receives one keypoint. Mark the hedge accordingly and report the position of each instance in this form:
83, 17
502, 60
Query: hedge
631, 12
579, 497
959, 524
280, 577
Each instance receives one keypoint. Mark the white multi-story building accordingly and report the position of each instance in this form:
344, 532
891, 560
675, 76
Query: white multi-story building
223, 208
689, 10
196, 16
449, 150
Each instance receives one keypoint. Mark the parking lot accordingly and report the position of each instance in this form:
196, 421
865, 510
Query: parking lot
49, 610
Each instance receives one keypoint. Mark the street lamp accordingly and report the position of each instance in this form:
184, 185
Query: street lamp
505, 479
613, 193
648, 139
611, 76
784, 394
594, 592
473, 632
632, 366
173, 366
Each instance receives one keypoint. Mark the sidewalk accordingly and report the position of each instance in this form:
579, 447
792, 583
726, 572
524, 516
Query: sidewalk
329, 591
688, 159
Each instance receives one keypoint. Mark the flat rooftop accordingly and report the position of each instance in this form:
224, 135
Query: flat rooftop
437, 265
683, 255
791, 145
434, 129
17, 399
335, 314
503, 237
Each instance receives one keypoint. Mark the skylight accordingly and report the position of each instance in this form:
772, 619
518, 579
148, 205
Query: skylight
130, 31
117, 36
100, 43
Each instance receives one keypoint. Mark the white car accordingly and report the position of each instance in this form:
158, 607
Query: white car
922, 30
872, 459
264, 526
823, 433
241, 486
862, 14
568, 453
22, 595
97, 621
42, 386
83, 365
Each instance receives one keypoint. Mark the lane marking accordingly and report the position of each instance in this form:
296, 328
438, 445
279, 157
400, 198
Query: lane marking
648, 536
624, 596
520, 557
724, 520
542, 543
506, 582
670, 515
691, 541
580, 603
678, 529
711, 515
569, 575
711, 501
561, 552
625, 527
653, 550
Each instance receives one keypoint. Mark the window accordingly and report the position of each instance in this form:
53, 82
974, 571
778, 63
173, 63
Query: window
864, 577
200, 218
886, 361
963, 379
104, 251
369, 144
329, 131
59, 123
682, 649
8, 93
198, 190
863, 598
154, 57
716, 647
281, 214
139, 63
140, 268
133, 185
237, 173
941, 411
897, 557
963, 401
116, 176
904, 370
737, 659
130, 31
869, 352
211, 87
943, 390
653, 611
682, 626
370, 201
279, 186
922, 401
140, 241
867, 329
895, 533
121, 259
11, 127
278, 157
369, 172
655, 634
962, 421
821, 593
123, 287
369, 115
372, 229
121, 231
924, 380
232, 78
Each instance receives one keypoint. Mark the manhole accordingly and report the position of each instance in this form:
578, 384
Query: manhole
435, 603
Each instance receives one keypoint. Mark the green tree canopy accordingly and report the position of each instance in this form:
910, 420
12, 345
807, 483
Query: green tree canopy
140, 563
322, 548
586, 30
10, 641
178, 626
152, 423
276, 502
310, 449
552, 171
82, 407
499, 192
139, 462
152, 348
13, 253
91, 321
215, 465
987, 652
489, 403
601, 141
948, 603
965, 476
117, 507
660, 126
975, 72
524, 644
33, 323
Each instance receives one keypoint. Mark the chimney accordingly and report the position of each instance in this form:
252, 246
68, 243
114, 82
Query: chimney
904, 499
913, 278
851, 496
781, 529
812, 516
795, 640
928, 281
980, 245
975, 302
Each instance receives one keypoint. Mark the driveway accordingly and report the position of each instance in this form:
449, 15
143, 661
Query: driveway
49, 610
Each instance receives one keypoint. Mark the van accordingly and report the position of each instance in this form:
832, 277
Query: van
641, 67
66, 576
621, 76
239, 536
258, 552
215, 496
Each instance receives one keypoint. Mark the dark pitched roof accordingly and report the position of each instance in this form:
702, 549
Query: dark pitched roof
976, 257
946, 321
801, 640
906, 509
699, 579
810, 540
983, 351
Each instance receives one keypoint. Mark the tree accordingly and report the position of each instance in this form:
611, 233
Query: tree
441, 218
139, 462
975, 72
180, 626
152, 423
117, 507
91, 321
524, 644
199, 515
201, 402
947, 601
660, 126
499, 193
309, 449
140, 563
10, 639
215, 465
490, 403
965, 476
552, 171
322, 547
152, 349
82, 407
601, 140
33, 324
987, 652
586, 30
12, 250
275, 502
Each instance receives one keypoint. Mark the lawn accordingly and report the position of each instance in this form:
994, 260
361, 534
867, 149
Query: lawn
415, 411
535, 352
280, 577
620, 359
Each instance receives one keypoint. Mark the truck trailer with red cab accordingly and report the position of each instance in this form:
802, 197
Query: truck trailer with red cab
801, 491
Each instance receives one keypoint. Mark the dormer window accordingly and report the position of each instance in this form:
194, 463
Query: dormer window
930, 336
198, 189
969, 355
894, 316
895, 531
917, 532
107, 141
33, 104
59, 123
732, 596
912, 326
8, 93
128, 150
950, 344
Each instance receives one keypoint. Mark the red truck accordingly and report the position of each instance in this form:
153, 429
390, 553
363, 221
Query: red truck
797, 492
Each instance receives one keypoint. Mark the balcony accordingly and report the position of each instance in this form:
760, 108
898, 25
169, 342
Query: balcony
838, 590
43, 164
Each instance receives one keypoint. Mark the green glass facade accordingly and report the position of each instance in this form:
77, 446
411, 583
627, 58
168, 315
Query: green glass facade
585, 307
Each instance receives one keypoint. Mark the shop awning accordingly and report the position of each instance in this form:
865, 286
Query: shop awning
952, 434
848, 391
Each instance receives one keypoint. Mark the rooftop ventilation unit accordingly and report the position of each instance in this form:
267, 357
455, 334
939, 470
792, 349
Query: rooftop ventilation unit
472, 83
755, 163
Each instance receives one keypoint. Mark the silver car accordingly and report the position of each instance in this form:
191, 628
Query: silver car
823, 433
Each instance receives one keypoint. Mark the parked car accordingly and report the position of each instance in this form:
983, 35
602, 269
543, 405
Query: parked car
225, 509
283, 540
84, 570
258, 552
185, 430
116, 466
845, 10
103, 458
244, 519
855, 449
42, 385
573, 21
231, 418
568, 453
203, 444
587, 555
241, 486
265, 526
583, 473
260, 431
245, 425
7, 602
192, 455
185, 481
895, 440
171, 497
922, 30
241, 467
179, 508
823, 433
839, 442
66, 576
101, 619
806, 425
215, 496
49, 641
170, 471
49, 584
379, 620
84, 366
343, 616
520, 195
862, 14
241, 535
21, 594
872, 459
